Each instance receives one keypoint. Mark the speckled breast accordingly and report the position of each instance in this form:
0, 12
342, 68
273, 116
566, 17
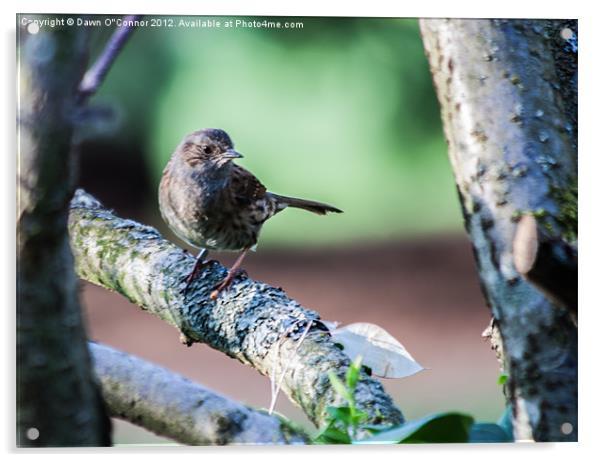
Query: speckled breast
214, 222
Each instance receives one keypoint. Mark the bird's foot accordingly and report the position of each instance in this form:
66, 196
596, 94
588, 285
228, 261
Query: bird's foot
198, 265
188, 280
232, 274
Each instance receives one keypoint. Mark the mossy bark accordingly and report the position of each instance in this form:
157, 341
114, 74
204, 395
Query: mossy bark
251, 321
56, 391
173, 406
507, 90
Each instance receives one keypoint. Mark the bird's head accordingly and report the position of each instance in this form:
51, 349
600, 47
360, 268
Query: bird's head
209, 148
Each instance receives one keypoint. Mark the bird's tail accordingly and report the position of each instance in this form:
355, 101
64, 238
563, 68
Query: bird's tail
312, 206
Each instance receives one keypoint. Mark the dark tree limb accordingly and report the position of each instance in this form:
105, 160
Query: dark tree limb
251, 321
56, 391
94, 77
507, 103
172, 406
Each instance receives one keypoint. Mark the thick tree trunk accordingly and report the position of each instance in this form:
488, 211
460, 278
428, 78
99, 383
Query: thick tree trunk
251, 321
58, 400
507, 90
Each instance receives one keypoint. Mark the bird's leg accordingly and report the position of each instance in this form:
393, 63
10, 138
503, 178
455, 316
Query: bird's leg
234, 271
198, 264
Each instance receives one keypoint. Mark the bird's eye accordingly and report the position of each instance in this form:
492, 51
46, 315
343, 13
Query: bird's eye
208, 149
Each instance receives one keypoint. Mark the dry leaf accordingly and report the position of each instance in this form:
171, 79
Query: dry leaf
380, 351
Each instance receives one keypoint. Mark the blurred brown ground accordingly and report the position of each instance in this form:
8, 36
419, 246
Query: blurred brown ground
424, 292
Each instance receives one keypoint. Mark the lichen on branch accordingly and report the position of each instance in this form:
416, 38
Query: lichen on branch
251, 321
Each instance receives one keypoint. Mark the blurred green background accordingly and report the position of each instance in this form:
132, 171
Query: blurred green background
342, 111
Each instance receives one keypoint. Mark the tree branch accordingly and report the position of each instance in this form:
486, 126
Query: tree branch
251, 321
549, 264
171, 405
94, 77
512, 149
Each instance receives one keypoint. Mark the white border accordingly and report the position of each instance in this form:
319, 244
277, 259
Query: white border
589, 192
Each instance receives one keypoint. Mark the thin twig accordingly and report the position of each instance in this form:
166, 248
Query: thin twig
276, 391
97, 73
274, 387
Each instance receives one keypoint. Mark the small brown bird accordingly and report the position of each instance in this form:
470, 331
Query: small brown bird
213, 204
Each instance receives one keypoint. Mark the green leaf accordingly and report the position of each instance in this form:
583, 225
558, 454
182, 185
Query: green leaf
330, 434
375, 428
488, 433
450, 427
339, 386
358, 418
505, 421
502, 379
353, 373
340, 414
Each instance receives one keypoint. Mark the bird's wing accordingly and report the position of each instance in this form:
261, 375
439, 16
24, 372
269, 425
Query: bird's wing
245, 188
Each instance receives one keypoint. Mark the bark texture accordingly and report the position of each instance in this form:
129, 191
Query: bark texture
173, 406
507, 90
58, 401
251, 321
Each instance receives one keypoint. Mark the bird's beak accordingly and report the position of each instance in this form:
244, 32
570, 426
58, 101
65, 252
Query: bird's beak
232, 154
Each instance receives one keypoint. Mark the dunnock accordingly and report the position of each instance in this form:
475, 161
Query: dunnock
214, 204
